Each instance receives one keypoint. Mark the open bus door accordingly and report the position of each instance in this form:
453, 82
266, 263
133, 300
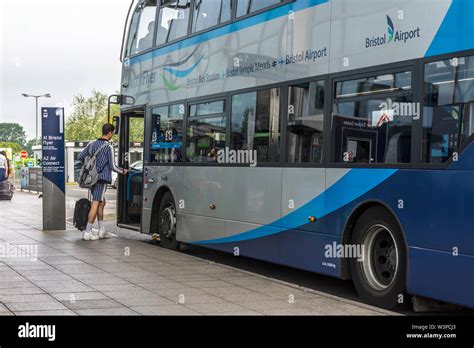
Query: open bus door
130, 156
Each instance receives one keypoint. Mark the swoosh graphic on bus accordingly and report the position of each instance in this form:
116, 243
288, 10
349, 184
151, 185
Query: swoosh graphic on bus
183, 73
338, 195
390, 29
170, 85
185, 60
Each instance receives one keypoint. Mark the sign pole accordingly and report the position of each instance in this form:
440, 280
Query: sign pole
54, 182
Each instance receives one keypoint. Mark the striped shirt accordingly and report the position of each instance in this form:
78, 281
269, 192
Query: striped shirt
105, 162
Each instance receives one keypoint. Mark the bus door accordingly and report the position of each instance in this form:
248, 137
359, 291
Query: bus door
130, 187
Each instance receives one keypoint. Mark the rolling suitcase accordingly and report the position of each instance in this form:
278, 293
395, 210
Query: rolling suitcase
6, 190
81, 213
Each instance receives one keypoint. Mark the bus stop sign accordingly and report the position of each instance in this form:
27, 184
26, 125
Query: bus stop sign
54, 183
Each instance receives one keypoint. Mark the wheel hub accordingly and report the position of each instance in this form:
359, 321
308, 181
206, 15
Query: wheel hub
380, 263
168, 222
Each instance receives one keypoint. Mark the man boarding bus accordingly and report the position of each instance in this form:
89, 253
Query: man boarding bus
104, 165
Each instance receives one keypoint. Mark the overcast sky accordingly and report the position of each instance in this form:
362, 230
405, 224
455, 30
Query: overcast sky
62, 47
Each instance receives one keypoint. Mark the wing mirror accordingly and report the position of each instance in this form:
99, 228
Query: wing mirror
116, 123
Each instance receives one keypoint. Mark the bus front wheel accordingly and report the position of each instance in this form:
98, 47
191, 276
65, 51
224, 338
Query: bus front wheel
167, 222
379, 276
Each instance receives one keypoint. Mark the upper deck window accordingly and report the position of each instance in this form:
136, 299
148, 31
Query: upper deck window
142, 28
208, 13
173, 21
245, 7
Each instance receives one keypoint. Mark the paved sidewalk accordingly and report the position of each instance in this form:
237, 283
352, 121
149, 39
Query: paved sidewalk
129, 277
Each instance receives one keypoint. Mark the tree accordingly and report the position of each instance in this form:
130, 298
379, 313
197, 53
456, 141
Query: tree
88, 116
29, 145
12, 132
16, 148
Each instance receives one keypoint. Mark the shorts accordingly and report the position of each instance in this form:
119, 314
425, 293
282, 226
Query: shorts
98, 192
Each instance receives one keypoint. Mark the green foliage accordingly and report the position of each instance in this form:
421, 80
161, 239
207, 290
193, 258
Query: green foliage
137, 130
23, 162
29, 145
12, 135
16, 148
12, 132
89, 115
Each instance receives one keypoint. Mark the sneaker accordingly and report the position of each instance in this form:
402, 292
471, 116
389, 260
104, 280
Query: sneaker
103, 234
89, 236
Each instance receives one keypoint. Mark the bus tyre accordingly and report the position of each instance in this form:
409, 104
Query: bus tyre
380, 275
167, 222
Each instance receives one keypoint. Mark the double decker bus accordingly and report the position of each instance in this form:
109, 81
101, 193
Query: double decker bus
333, 136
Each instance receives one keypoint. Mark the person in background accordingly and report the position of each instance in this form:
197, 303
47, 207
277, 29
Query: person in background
147, 41
4, 167
213, 155
105, 165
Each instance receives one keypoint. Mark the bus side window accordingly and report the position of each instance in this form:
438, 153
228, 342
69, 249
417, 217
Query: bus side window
167, 134
142, 28
206, 133
208, 13
173, 21
245, 7
255, 124
448, 113
367, 128
305, 123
